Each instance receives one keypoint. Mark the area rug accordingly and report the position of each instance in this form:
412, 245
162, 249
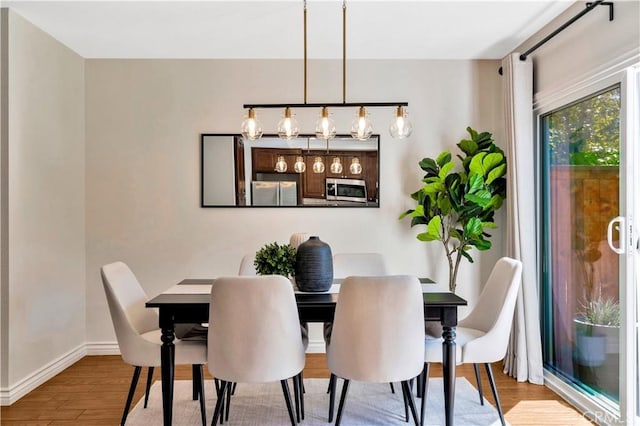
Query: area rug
367, 404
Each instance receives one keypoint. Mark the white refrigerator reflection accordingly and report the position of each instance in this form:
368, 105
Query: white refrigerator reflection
282, 193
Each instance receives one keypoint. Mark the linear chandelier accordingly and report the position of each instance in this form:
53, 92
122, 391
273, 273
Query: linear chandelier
361, 127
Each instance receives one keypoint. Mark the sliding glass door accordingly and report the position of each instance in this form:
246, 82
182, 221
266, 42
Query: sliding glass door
589, 299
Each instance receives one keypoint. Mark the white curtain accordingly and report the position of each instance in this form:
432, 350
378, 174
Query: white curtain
524, 355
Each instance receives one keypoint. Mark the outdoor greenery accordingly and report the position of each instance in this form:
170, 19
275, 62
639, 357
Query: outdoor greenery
457, 206
275, 259
587, 132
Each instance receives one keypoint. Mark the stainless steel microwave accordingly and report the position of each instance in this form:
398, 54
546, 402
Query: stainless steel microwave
346, 190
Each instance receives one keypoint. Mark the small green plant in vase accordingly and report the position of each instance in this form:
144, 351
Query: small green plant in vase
275, 259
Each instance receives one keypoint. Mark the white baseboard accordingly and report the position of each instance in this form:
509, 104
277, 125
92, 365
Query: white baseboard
13, 393
316, 347
16, 391
103, 348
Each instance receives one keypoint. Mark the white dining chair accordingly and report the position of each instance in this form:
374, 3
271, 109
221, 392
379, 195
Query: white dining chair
254, 335
378, 334
482, 337
247, 267
345, 265
138, 334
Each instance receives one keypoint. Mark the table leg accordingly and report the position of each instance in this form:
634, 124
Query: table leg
449, 371
167, 362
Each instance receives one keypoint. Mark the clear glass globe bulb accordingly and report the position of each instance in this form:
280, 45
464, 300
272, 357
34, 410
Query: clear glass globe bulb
325, 126
281, 165
336, 166
401, 127
361, 127
251, 128
288, 126
318, 165
299, 166
355, 168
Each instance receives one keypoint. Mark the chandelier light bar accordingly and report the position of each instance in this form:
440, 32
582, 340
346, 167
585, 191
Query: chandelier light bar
400, 119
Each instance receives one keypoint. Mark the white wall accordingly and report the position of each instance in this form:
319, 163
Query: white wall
46, 202
143, 121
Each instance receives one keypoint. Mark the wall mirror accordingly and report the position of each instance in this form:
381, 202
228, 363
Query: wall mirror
301, 172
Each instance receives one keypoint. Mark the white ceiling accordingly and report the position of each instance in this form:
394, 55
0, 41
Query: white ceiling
399, 29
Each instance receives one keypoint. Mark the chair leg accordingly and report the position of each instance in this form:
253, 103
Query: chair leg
228, 401
419, 386
287, 399
425, 386
221, 395
331, 379
479, 382
301, 387
495, 392
146, 392
343, 398
332, 395
194, 384
392, 388
132, 389
406, 390
296, 397
406, 403
203, 408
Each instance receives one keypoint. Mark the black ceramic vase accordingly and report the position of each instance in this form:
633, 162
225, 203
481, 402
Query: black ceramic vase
314, 265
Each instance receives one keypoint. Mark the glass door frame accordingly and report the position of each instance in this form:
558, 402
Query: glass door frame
600, 409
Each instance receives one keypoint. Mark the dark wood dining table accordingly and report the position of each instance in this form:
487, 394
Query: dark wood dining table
188, 306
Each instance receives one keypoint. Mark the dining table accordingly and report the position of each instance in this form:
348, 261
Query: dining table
188, 302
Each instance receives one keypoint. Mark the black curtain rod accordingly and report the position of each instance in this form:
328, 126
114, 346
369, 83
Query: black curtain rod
589, 8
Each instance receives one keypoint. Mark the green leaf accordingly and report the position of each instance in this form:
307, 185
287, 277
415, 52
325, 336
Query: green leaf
481, 198
473, 227
433, 188
496, 173
405, 214
425, 236
429, 166
492, 160
466, 256
444, 204
443, 158
476, 182
445, 169
476, 165
473, 133
434, 227
467, 146
481, 244
491, 225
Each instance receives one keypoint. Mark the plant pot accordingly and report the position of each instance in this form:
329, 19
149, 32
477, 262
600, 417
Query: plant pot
595, 341
314, 266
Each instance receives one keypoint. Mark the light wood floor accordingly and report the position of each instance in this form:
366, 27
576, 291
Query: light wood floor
93, 392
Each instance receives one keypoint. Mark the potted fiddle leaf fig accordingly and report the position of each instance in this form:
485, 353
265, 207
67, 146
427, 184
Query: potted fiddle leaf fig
457, 202
275, 259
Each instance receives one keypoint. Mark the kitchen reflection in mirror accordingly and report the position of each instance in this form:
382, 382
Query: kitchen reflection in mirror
301, 172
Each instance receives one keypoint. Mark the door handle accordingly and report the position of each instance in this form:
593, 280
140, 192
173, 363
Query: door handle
619, 221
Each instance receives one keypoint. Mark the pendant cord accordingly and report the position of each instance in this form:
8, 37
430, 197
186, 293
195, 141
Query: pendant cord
344, 51
305, 51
